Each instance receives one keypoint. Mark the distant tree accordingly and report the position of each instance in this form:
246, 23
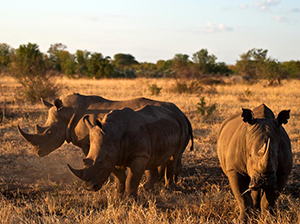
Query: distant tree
67, 63
148, 70
204, 61
29, 68
5, 55
180, 65
291, 69
100, 67
165, 67
54, 55
124, 64
251, 62
82, 58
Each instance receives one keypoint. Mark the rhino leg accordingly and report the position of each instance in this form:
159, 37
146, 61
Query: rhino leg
120, 177
268, 200
256, 198
135, 170
151, 178
171, 172
239, 185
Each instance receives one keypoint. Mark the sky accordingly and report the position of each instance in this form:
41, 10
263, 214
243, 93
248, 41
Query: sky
155, 30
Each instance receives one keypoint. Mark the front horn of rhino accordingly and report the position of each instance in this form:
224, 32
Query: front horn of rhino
78, 173
28, 137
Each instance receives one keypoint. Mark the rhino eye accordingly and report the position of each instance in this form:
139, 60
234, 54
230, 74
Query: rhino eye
49, 132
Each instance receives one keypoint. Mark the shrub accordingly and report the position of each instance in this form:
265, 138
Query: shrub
205, 110
154, 89
29, 68
183, 87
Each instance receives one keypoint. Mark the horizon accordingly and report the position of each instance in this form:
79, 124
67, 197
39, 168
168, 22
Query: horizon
156, 30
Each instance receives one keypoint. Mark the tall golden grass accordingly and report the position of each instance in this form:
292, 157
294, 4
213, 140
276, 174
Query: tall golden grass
41, 190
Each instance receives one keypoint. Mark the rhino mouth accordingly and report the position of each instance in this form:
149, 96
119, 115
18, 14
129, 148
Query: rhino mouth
263, 182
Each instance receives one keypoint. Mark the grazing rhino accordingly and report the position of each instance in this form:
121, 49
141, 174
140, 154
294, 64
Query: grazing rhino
65, 122
254, 151
134, 140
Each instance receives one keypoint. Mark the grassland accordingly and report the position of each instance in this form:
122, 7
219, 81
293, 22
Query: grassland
41, 190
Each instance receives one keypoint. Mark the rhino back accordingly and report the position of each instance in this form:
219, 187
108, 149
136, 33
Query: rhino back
152, 132
231, 145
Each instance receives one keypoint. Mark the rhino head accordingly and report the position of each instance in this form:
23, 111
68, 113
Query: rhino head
264, 142
53, 134
101, 159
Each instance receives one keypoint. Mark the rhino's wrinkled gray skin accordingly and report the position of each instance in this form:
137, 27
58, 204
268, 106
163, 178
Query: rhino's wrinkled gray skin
137, 141
65, 121
254, 151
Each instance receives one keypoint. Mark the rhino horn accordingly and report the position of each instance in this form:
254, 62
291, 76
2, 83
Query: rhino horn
46, 103
78, 173
265, 162
39, 129
88, 122
28, 137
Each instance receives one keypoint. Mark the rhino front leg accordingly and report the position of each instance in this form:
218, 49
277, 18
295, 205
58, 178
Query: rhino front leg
120, 177
239, 185
135, 170
268, 200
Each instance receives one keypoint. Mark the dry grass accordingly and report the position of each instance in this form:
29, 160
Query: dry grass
41, 190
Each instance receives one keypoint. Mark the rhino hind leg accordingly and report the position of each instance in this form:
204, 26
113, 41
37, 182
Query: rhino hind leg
239, 185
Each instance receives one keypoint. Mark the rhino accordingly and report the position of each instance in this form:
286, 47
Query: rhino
255, 153
133, 140
65, 122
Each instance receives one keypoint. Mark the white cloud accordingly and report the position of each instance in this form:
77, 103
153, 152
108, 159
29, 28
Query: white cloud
295, 10
264, 5
243, 6
280, 19
212, 28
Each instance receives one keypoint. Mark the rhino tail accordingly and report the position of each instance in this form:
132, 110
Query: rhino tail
190, 133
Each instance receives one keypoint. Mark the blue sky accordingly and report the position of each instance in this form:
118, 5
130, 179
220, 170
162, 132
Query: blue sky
153, 30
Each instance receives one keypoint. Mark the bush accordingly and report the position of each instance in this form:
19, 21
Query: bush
205, 110
29, 68
154, 89
183, 87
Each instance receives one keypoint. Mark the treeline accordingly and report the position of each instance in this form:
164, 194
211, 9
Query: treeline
35, 69
255, 63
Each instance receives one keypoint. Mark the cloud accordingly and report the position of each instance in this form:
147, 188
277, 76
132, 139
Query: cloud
281, 19
243, 6
213, 28
294, 10
264, 5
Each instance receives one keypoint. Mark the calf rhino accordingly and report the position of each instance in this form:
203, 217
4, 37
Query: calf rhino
134, 140
65, 122
254, 151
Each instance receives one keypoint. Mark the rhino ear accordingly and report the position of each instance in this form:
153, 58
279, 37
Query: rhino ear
58, 103
282, 118
248, 116
46, 103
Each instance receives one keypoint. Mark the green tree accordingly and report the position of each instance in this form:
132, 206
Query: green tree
81, 58
251, 62
29, 68
100, 67
5, 55
291, 69
124, 63
180, 65
204, 61
54, 55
